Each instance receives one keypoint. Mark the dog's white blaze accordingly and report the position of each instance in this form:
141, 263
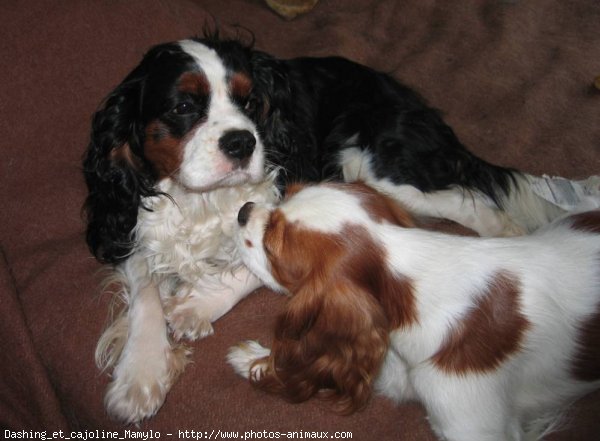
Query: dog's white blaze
204, 164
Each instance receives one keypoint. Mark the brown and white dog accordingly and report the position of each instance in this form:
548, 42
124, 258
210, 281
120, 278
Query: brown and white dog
494, 336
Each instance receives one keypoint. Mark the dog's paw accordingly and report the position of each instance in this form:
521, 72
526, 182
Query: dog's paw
139, 389
249, 359
131, 400
187, 318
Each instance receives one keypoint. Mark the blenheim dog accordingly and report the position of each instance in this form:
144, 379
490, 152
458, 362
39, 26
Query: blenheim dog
494, 336
192, 133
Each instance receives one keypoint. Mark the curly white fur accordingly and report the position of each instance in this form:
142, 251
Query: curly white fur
184, 273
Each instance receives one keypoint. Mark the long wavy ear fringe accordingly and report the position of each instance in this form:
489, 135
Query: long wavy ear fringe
115, 173
329, 344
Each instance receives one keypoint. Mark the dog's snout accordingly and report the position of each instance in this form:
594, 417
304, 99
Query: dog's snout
244, 213
238, 144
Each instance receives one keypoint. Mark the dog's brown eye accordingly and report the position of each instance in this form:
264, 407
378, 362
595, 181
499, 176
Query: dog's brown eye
183, 108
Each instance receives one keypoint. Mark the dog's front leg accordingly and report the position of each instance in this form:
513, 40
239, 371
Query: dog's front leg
148, 365
194, 307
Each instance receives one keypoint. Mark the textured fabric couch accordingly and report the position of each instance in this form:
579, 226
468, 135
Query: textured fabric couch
514, 79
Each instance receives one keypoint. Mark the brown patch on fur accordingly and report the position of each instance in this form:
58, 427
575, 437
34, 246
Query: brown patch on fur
334, 334
124, 156
588, 221
240, 85
163, 150
489, 333
364, 264
383, 208
586, 363
194, 83
294, 188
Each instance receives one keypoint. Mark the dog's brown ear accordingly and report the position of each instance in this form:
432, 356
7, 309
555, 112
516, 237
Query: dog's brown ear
298, 256
329, 343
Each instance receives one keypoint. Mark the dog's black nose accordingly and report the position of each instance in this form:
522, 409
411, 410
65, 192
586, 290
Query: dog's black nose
238, 144
244, 213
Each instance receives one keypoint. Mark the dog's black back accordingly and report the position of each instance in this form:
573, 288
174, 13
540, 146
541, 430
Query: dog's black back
315, 107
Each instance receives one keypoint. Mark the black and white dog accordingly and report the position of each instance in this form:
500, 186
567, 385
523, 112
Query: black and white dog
201, 126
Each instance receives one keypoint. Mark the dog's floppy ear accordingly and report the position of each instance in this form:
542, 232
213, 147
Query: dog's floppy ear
271, 88
115, 173
330, 343
281, 113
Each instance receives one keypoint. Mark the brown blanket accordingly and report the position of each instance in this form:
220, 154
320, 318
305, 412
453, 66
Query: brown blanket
514, 78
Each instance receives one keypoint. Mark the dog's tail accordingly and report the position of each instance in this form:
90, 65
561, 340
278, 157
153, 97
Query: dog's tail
506, 189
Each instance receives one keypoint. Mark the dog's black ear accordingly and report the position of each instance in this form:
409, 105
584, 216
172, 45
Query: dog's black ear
115, 172
284, 118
